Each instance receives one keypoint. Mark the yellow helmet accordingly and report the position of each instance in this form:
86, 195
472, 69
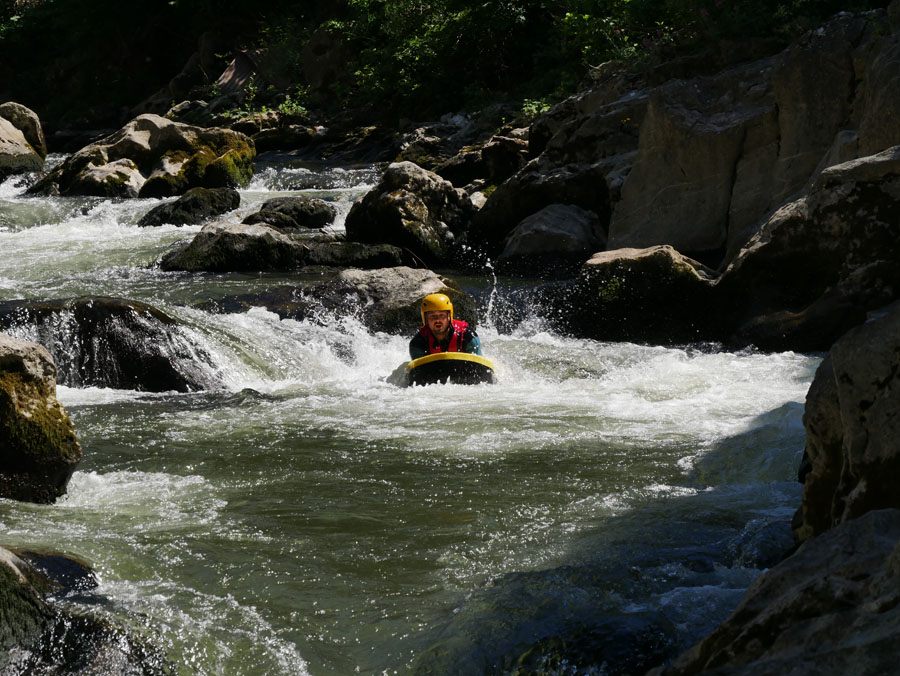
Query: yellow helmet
436, 302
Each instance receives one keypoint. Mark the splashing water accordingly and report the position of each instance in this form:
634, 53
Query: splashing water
309, 517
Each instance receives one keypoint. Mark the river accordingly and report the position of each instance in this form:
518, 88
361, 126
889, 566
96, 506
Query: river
309, 517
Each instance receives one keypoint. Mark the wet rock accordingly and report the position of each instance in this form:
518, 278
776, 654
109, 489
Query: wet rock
831, 608
821, 262
242, 247
112, 342
294, 213
16, 155
536, 186
40, 449
413, 209
153, 157
389, 299
852, 427
26, 120
38, 637
193, 207
653, 295
553, 242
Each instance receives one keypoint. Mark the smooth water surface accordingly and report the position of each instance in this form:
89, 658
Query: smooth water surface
310, 517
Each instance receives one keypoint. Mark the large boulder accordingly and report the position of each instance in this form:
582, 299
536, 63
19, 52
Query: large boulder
413, 209
112, 342
389, 299
829, 609
16, 155
553, 242
154, 157
243, 247
294, 213
820, 262
193, 207
852, 427
40, 449
653, 295
26, 120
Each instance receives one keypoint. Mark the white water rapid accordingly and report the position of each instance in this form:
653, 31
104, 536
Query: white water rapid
309, 517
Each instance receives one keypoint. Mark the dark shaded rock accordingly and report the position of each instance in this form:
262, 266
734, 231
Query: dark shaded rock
535, 187
153, 157
831, 608
292, 213
193, 207
413, 209
852, 427
40, 449
653, 295
554, 242
112, 342
241, 247
821, 262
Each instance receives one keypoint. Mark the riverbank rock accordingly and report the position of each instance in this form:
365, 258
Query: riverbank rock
112, 342
17, 154
193, 207
294, 213
390, 299
852, 427
40, 449
820, 262
413, 209
696, 155
153, 157
26, 120
552, 243
38, 637
830, 608
653, 295
242, 247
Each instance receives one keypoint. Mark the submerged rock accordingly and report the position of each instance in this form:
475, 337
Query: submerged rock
830, 609
38, 637
40, 449
193, 207
153, 157
112, 342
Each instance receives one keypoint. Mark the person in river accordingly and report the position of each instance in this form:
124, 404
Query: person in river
440, 332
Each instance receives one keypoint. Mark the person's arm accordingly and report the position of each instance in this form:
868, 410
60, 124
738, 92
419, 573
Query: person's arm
471, 343
418, 347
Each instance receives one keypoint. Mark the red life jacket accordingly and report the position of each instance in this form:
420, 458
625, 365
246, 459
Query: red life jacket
458, 328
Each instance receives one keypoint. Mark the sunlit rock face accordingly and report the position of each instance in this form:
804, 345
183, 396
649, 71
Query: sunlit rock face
39, 448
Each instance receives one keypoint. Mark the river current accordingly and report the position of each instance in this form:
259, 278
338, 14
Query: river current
309, 517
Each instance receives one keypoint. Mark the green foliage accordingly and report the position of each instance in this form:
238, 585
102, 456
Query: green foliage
402, 57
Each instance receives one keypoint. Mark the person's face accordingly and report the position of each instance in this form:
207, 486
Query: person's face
438, 321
